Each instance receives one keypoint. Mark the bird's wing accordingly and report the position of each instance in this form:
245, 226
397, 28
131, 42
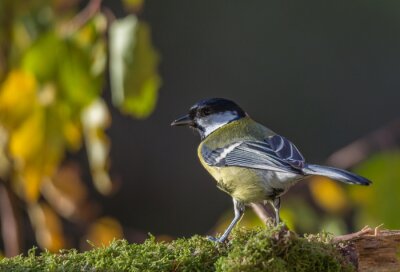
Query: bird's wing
275, 153
287, 151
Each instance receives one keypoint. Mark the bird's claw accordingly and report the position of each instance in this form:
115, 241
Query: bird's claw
215, 239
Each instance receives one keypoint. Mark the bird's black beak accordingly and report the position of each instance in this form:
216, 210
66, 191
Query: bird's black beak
183, 121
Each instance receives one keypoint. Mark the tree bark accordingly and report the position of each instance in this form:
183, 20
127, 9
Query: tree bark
369, 250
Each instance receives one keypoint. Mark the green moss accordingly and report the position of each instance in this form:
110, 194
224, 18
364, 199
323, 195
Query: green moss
249, 250
278, 250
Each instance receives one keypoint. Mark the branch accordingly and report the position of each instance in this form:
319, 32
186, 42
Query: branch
9, 223
82, 17
265, 214
384, 138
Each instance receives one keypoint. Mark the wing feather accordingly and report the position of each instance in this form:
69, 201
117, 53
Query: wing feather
275, 153
286, 150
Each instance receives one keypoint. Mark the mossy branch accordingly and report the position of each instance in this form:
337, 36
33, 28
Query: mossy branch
271, 249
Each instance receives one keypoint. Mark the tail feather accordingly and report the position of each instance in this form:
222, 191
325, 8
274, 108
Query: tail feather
336, 174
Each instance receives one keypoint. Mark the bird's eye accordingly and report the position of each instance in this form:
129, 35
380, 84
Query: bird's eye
205, 111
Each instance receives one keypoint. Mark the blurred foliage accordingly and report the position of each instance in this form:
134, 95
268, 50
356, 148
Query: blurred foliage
270, 249
53, 64
330, 195
104, 230
298, 215
133, 73
348, 208
378, 204
48, 227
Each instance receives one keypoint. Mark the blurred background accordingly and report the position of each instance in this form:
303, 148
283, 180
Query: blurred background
88, 90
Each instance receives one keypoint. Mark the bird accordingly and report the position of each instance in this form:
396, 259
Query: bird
249, 161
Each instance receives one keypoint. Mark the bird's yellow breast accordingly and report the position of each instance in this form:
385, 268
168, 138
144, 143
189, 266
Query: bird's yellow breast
244, 184
241, 183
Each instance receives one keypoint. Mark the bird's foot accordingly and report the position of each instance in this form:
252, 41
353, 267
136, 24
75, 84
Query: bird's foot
215, 239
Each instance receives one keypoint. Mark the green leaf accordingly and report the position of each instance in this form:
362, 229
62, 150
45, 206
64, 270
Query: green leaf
378, 203
61, 61
43, 57
76, 79
133, 67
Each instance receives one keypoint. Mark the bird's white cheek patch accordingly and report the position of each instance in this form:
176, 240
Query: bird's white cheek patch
209, 128
215, 121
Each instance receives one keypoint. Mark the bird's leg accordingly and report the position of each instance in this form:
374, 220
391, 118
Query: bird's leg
276, 204
239, 210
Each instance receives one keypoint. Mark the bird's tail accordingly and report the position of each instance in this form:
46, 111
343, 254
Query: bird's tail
336, 174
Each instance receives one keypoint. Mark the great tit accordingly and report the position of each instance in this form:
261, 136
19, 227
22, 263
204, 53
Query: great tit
250, 162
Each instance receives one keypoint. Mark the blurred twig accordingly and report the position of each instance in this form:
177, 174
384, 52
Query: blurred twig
82, 17
109, 14
384, 138
265, 214
9, 223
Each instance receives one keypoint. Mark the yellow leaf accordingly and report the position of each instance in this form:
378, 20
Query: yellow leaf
27, 140
104, 231
31, 180
73, 134
47, 226
37, 148
328, 194
17, 97
66, 192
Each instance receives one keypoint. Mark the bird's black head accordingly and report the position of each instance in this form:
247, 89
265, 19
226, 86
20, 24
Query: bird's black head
210, 114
